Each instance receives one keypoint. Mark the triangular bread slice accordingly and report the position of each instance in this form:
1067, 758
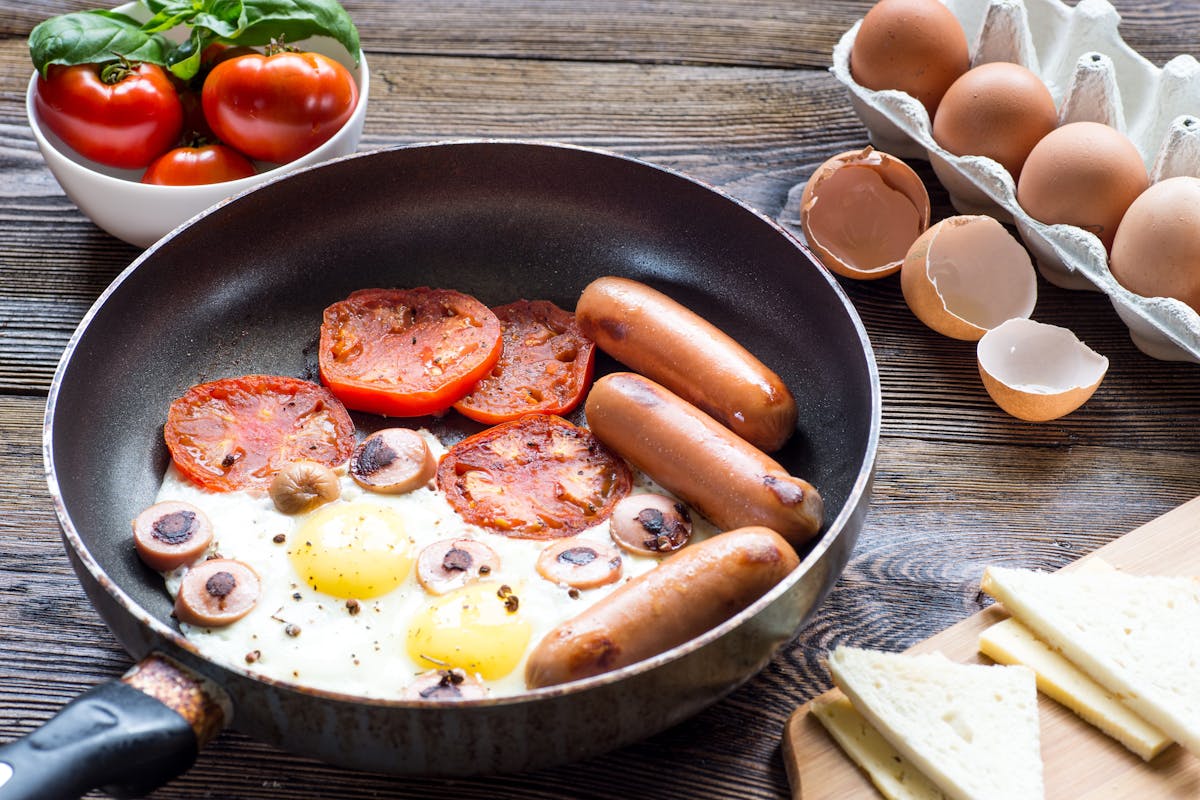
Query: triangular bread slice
1010, 642
1137, 636
893, 775
971, 729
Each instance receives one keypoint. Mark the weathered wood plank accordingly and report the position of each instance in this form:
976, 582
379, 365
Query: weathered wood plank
768, 33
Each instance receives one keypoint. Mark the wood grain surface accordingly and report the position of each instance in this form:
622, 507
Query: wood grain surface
736, 94
1079, 761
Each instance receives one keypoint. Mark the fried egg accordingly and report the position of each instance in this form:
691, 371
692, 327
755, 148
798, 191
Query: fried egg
341, 608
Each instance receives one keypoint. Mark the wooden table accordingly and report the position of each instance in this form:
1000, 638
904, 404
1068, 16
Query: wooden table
737, 94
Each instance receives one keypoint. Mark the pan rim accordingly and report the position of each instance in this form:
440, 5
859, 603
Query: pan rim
857, 496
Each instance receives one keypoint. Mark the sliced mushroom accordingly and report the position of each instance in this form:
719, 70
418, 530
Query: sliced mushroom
579, 563
170, 534
301, 486
650, 524
393, 461
217, 592
445, 684
446, 565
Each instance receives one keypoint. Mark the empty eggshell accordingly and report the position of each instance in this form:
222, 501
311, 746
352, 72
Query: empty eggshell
1038, 372
967, 275
861, 211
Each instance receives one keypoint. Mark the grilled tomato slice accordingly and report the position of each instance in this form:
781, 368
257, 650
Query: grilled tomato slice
537, 477
236, 433
407, 352
546, 366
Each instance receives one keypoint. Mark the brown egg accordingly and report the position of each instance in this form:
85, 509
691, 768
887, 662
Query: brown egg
999, 110
915, 46
1083, 174
861, 211
1156, 252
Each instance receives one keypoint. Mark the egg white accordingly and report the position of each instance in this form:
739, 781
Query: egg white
365, 654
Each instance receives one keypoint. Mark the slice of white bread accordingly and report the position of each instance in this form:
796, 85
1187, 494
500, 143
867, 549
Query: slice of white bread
971, 729
1137, 636
1010, 642
893, 775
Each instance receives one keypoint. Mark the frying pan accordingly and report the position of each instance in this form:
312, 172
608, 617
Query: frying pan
240, 290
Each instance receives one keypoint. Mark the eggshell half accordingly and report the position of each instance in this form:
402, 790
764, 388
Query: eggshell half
1038, 372
967, 275
861, 211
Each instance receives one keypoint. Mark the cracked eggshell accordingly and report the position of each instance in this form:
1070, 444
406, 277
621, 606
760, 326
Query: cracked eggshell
1093, 75
967, 275
861, 211
1038, 372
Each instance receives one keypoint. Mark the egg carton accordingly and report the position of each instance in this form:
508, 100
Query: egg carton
1093, 75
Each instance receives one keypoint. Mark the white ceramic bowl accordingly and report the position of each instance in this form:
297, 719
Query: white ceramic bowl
141, 214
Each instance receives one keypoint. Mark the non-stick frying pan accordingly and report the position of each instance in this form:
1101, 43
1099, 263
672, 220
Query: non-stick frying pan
241, 289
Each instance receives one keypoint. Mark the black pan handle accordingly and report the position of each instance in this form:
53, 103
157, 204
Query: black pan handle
128, 737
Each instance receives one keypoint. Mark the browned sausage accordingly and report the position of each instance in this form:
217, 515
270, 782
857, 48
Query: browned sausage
691, 591
698, 460
445, 684
450, 563
650, 524
302, 486
217, 592
652, 334
170, 534
579, 563
393, 461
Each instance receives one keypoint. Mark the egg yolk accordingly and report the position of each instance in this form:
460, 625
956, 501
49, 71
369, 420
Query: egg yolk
477, 628
353, 551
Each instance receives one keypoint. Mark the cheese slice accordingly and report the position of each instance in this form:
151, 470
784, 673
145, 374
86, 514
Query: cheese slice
971, 729
1137, 636
893, 775
1010, 642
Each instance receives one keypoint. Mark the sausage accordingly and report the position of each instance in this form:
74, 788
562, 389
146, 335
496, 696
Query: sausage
445, 684
650, 524
217, 592
393, 461
170, 534
579, 563
695, 458
450, 563
302, 486
691, 591
652, 334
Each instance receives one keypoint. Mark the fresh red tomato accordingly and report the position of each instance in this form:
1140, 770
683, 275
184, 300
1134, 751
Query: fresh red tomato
236, 433
192, 166
407, 352
119, 114
278, 107
546, 366
538, 477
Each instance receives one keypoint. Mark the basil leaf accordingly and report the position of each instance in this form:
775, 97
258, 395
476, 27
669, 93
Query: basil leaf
292, 20
225, 18
185, 59
93, 37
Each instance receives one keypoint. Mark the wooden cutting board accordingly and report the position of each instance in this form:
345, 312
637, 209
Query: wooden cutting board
1080, 762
